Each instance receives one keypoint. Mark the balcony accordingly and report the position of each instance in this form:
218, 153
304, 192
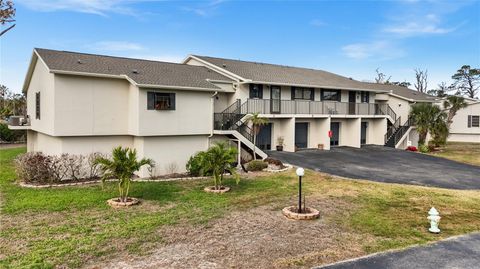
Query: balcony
19, 123
266, 106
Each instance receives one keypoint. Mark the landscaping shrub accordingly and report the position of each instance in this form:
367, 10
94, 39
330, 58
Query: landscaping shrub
423, 148
274, 162
412, 148
256, 165
8, 135
36, 167
194, 165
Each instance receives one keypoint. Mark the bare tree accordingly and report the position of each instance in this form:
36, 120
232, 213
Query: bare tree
381, 77
7, 14
467, 80
421, 77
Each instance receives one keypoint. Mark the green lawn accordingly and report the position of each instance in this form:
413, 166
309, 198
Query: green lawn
43, 228
461, 152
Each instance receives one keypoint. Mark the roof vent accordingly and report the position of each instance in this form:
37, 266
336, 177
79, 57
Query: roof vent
79, 61
135, 71
224, 65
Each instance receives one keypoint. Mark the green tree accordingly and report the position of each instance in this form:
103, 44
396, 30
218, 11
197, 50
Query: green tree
219, 159
426, 117
121, 166
467, 80
257, 123
453, 104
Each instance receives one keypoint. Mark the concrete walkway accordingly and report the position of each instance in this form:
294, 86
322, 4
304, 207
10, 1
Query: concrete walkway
453, 253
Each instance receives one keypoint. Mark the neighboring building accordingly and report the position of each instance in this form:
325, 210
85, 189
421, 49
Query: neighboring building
83, 103
466, 123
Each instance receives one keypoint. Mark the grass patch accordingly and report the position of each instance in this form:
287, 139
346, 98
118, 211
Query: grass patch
461, 152
42, 228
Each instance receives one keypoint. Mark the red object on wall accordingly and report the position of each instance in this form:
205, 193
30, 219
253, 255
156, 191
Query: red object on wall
330, 133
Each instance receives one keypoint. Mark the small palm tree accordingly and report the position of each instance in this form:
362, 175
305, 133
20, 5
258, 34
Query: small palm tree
121, 166
219, 159
453, 104
426, 117
257, 123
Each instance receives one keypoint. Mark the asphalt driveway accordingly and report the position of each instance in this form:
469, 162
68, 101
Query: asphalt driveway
458, 252
385, 164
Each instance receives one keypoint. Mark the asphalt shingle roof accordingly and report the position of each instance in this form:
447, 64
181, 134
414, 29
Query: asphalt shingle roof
141, 71
303, 76
403, 92
273, 73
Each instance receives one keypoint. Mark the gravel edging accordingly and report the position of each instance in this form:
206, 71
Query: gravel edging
33, 186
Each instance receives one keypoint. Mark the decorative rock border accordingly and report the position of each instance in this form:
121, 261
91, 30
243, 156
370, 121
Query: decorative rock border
212, 189
167, 179
114, 202
27, 185
290, 213
34, 186
287, 167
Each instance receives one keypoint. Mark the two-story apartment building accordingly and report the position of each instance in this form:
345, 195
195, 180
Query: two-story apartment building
82, 103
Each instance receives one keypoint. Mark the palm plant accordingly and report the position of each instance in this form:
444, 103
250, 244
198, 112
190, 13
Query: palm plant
426, 117
257, 123
453, 104
219, 159
121, 166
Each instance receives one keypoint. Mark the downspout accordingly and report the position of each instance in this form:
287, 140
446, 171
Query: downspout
213, 115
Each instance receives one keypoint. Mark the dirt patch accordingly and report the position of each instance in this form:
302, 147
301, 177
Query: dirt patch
256, 238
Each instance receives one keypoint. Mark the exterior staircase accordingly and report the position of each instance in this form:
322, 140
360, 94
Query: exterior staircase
232, 123
396, 132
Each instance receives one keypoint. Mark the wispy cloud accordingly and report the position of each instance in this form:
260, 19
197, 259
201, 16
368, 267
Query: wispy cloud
317, 23
97, 7
162, 57
116, 46
205, 9
428, 24
380, 50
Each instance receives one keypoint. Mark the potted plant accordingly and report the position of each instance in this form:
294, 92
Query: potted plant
280, 141
121, 166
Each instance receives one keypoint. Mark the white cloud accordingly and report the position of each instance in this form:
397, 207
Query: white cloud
317, 23
116, 46
415, 28
161, 58
98, 7
205, 9
420, 25
380, 50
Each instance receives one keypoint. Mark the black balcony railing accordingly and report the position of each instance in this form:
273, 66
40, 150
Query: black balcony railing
266, 106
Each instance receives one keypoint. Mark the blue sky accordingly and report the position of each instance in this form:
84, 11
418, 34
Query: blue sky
351, 38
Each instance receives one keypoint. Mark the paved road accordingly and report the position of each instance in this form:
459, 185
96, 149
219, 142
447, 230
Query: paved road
385, 164
455, 253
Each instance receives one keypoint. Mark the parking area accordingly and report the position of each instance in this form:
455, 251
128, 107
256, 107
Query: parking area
385, 164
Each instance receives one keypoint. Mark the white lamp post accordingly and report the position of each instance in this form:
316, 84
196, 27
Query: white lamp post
300, 172
434, 218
